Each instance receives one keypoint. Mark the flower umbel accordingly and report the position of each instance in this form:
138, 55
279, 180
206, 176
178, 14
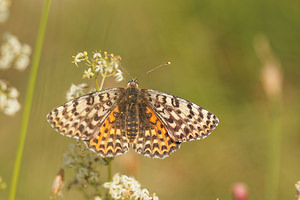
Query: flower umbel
103, 64
123, 186
86, 165
9, 103
13, 52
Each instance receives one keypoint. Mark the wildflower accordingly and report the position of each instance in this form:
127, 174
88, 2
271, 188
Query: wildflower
9, 104
240, 191
79, 57
82, 174
4, 12
85, 164
76, 91
119, 76
94, 177
22, 62
69, 160
99, 67
88, 74
123, 186
13, 52
104, 64
97, 55
58, 183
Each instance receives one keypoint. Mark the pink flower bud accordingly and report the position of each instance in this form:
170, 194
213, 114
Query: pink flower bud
240, 191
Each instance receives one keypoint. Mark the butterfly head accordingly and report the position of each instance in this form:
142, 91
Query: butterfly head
133, 83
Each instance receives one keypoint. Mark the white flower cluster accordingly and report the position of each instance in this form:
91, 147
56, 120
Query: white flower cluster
13, 52
76, 91
4, 12
123, 186
106, 65
9, 103
84, 162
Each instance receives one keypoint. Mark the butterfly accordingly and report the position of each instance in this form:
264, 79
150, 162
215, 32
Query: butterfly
153, 123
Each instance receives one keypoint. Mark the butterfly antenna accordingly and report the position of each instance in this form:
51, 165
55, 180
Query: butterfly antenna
151, 70
120, 66
124, 70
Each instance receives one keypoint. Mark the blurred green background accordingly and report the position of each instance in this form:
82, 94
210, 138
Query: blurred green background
214, 64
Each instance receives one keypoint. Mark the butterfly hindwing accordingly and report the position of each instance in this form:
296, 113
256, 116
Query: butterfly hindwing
153, 139
111, 139
82, 117
184, 120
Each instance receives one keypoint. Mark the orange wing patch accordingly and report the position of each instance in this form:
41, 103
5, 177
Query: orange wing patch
155, 141
110, 140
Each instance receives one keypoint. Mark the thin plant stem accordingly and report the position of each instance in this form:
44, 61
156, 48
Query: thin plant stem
109, 170
29, 97
97, 85
274, 154
102, 81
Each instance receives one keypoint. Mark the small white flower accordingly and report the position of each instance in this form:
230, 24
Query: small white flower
93, 177
68, 159
88, 74
78, 58
12, 106
3, 101
26, 49
3, 85
12, 43
99, 68
22, 62
82, 174
9, 104
13, 93
97, 55
5, 61
76, 91
119, 76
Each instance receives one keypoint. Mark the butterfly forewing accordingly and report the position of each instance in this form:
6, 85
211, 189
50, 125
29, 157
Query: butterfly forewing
184, 120
82, 117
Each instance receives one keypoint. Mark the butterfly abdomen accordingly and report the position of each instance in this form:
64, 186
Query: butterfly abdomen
132, 117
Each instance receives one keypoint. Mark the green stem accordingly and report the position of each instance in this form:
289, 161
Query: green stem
97, 86
102, 81
29, 97
109, 170
274, 153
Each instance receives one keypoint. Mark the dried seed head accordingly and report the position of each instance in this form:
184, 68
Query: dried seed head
58, 183
271, 73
